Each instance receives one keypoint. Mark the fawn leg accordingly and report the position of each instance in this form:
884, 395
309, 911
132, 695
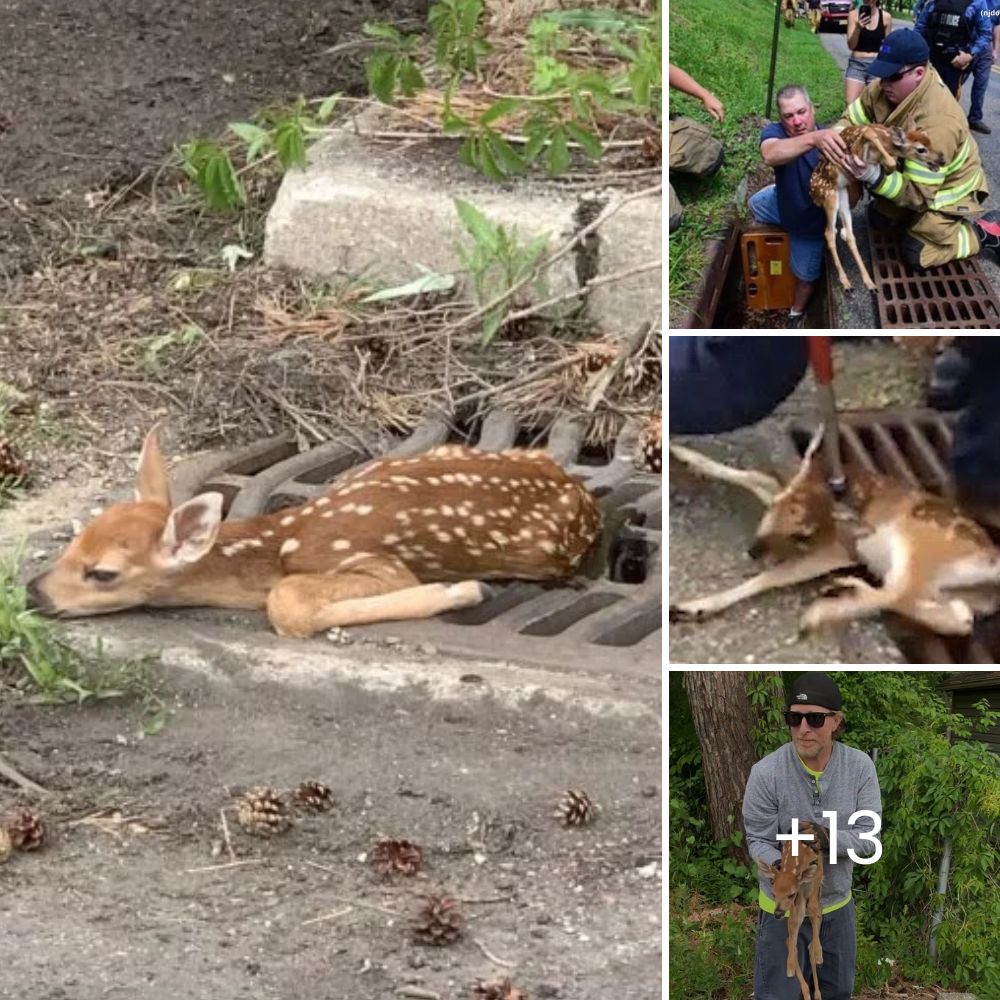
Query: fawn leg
830, 204
764, 487
380, 590
844, 209
807, 567
953, 617
795, 917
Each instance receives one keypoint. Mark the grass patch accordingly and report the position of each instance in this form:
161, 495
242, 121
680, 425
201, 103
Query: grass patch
32, 648
728, 50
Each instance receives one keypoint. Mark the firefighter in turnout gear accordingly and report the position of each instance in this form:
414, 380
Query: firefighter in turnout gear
957, 33
935, 209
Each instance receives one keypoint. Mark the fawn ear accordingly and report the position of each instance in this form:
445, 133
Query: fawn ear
151, 481
810, 871
770, 870
191, 529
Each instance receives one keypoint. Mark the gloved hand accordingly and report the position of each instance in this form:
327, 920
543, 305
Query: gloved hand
872, 175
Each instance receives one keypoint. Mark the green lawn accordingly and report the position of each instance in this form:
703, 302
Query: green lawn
727, 48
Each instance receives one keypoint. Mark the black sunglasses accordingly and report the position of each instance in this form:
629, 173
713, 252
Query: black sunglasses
816, 720
896, 77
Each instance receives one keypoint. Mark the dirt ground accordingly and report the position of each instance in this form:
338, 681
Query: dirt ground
130, 897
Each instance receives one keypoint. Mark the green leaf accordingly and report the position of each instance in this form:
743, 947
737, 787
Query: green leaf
587, 140
290, 143
386, 32
327, 107
424, 285
480, 228
492, 322
500, 109
556, 157
504, 155
487, 162
380, 71
410, 78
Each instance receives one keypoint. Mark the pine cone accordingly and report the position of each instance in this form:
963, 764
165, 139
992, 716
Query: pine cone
402, 856
650, 456
312, 795
263, 812
13, 468
6, 845
500, 989
576, 808
25, 830
439, 921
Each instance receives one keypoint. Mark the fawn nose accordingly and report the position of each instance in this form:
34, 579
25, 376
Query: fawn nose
37, 601
756, 550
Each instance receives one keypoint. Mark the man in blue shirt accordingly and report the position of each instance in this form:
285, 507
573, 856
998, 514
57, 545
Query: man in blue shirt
793, 146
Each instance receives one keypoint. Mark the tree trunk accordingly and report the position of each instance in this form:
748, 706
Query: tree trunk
723, 720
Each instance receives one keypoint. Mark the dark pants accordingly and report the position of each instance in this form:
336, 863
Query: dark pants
975, 455
836, 975
981, 66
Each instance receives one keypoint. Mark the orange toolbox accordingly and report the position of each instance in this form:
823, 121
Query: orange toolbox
767, 272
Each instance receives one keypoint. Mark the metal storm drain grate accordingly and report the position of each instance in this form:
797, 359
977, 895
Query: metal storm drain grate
912, 446
611, 621
957, 295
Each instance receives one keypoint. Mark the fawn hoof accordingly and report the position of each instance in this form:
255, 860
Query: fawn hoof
680, 613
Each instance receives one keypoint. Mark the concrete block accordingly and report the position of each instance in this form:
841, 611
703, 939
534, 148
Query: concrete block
362, 208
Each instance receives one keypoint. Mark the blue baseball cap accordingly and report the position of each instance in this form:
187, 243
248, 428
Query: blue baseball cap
902, 47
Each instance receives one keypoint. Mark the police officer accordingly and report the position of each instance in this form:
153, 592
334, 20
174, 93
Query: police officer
957, 32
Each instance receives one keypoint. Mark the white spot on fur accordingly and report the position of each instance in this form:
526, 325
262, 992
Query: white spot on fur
442, 536
546, 546
447, 511
322, 501
327, 513
288, 546
286, 521
306, 511
478, 520
390, 539
267, 534
433, 481
458, 532
365, 508
341, 544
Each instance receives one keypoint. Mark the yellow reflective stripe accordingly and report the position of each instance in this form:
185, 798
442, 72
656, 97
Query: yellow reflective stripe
917, 172
767, 904
857, 113
890, 186
948, 196
964, 242
960, 157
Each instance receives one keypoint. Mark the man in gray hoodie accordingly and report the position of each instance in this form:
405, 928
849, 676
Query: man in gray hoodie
811, 775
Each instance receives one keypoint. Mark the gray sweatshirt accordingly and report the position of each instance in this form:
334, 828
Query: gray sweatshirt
780, 787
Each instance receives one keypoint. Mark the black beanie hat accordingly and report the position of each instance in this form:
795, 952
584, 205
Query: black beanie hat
815, 688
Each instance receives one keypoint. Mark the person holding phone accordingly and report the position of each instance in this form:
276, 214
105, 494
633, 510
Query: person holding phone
867, 27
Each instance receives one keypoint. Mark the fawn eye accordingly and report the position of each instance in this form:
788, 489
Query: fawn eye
100, 575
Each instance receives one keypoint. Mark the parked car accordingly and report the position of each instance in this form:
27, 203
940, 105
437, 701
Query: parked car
833, 14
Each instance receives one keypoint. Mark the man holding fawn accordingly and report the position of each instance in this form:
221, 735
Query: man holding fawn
811, 775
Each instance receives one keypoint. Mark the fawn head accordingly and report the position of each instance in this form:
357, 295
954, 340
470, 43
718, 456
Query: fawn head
801, 514
912, 144
793, 871
130, 551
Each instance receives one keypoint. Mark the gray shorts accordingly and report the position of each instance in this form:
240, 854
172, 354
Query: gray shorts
857, 69
836, 975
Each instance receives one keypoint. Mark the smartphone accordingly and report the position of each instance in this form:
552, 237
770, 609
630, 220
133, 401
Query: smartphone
865, 11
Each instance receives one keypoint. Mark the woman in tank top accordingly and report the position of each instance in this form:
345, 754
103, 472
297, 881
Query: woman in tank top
867, 27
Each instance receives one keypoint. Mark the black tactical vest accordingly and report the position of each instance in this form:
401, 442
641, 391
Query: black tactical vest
947, 28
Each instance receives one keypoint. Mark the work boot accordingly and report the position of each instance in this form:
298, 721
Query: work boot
981, 126
950, 381
987, 228
796, 321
